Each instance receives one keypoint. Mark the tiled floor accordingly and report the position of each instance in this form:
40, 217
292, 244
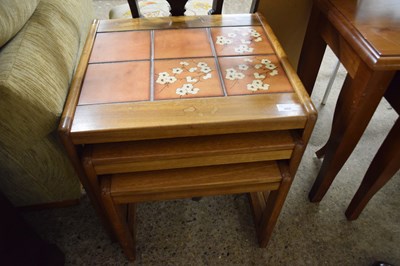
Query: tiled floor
219, 230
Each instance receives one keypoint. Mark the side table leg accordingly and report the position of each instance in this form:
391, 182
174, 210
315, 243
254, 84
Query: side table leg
312, 51
274, 204
384, 165
357, 103
93, 186
118, 220
344, 94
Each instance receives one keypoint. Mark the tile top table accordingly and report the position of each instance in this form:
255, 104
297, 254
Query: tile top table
220, 79
183, 75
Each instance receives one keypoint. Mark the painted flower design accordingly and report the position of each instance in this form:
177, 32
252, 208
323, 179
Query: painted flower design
243, 48
265, 61
230, 76
163, 74
162, 80
257, 85
270, 66
252, 87
177, 70
208, 76
258, 75
193, 90
243, 67
165, 78
258, 72
187, 89
244, 37
206, 69
273, 72
171, 79
221, 40
239, 75
181, 91
190, 73
230, 70
202, 64
190, 79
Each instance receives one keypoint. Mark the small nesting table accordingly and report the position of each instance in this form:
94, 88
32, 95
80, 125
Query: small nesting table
182, 107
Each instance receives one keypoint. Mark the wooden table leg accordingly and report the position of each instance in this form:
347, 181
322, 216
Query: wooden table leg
338, 111
357, 103
93, 186
312, 51
119, 220
273, 207
384, 165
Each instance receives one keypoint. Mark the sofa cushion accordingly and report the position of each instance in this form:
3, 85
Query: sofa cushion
36, 69
38, 175
13, 16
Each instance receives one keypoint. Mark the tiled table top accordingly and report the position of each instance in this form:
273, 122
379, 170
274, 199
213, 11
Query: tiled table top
152, 65
182, 76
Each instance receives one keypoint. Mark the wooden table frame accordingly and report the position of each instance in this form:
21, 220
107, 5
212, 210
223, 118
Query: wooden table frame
369, 74
300, 123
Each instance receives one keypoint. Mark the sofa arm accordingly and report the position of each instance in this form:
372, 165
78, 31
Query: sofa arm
36, 67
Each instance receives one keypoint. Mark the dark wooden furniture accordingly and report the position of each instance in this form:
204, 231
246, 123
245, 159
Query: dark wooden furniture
386, 161
177, 7
365, 36
177, 107
20, 244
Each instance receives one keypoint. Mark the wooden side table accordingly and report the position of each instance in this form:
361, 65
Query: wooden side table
178, 107
365, 36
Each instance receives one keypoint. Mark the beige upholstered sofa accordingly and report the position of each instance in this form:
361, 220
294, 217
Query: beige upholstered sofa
40, 43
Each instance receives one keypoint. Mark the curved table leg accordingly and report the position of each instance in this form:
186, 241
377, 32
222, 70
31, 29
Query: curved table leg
312, 51
384, 165
338, 110
357, 102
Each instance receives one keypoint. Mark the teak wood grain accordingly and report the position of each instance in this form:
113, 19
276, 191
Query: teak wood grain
148, 155
196, 181
188, 117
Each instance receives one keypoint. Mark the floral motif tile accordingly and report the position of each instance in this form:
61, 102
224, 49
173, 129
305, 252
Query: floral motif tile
253, 74
116, 82
181, 43
240, 41
121, 46
186, 78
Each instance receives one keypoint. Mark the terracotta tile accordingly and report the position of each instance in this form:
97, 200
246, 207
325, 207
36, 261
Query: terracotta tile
241, 41
253, 75
186, 78
121, 46
116, 82
181, 43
